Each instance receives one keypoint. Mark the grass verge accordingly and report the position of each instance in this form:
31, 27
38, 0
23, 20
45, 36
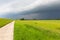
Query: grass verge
3, 22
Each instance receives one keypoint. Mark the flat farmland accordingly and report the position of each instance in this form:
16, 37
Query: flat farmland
37, 30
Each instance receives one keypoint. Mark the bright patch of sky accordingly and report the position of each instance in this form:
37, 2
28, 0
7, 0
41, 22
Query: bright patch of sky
13, 5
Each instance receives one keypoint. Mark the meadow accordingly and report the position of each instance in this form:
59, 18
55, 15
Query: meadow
34, 29
3, 22
37, 30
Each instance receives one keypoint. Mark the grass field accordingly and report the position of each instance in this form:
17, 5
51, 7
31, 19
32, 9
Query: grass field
37, 30
3, 22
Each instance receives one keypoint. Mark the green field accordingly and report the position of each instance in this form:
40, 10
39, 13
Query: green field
34, 29
3, 22
37, 30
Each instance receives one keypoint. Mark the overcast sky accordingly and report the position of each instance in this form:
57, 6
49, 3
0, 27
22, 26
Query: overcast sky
13, 5
20, 5
10, 7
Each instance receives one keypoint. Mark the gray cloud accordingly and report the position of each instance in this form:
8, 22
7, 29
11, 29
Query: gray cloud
40, 12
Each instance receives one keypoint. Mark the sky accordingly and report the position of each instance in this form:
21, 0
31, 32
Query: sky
21, 5
15, 6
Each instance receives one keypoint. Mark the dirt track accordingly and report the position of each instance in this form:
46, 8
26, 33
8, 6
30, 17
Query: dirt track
6, 32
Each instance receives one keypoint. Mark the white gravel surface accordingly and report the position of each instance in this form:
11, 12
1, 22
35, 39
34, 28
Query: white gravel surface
6, 32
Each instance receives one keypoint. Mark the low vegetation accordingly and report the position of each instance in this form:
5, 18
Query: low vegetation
3, 22
37, 30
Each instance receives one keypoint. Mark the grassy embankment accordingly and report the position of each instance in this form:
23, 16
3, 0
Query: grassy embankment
3, 22
37, 30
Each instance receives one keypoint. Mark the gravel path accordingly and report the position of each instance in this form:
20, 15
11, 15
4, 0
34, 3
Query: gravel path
6, 32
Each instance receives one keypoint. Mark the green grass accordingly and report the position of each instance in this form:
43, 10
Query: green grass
3, 22
37, 30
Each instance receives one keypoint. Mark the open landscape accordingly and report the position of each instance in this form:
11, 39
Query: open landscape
29, 19
34, 29
37, 30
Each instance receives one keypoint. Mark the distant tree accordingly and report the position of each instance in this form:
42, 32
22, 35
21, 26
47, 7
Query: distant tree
57, 19
34, 19
22, 19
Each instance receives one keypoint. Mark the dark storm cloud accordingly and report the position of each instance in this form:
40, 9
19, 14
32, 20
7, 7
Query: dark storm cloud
45, 12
